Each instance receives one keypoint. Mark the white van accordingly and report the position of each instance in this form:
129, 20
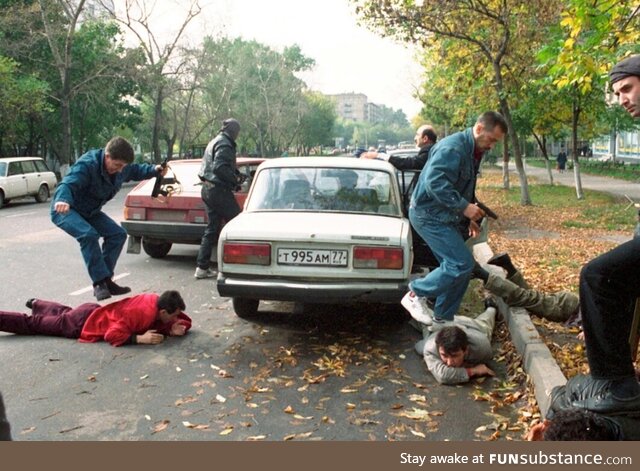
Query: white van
25, 176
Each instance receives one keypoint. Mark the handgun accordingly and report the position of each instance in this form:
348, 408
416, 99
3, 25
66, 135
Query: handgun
157, 186
486, 210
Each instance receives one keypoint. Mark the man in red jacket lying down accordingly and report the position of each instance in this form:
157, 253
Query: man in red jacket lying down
141, 319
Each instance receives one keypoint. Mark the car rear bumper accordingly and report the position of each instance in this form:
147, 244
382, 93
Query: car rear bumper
315, 292
165, 231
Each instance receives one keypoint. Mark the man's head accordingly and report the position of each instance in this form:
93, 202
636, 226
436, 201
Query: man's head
231, 127
577, 425
118, 153
452, 343
488, 130
425, 135
625, 81
348, 179
170, 305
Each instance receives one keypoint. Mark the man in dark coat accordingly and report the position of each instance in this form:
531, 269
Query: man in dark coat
220, 177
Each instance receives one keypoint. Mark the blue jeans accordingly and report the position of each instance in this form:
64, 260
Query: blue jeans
100, 262
450, 280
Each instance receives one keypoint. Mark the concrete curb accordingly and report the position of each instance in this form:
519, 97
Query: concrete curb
537, 360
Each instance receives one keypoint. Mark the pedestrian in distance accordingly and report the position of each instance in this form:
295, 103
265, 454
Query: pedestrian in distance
77, 204
562, 161
444, 198
220, 177
141, 319
609, 287
425, 139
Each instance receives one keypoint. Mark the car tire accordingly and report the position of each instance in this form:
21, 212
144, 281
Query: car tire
156, 249
245, 308
43, 194
2, 200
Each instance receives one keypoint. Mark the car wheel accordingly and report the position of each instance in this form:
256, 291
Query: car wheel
156, 249
43, 194
245, 307
2, 200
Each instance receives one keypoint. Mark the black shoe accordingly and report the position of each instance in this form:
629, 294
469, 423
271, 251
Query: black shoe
479, 272
503, 260
490, 301
29, 303
101, 291
607, 403
117, 290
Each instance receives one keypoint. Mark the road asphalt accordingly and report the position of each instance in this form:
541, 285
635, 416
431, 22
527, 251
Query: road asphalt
537, 359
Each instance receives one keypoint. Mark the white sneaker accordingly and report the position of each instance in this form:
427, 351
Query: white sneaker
201, 273
418, 308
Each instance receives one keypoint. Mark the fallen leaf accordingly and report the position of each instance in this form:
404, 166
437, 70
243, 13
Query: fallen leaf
160, 426
418, 434
178, 369
227, 431
289, 410
256, 437
220, 398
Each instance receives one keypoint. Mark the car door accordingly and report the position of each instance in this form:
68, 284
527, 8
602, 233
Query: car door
16, 181
32, 176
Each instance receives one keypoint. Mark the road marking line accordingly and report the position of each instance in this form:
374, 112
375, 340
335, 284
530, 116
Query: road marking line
19, 215
90, 288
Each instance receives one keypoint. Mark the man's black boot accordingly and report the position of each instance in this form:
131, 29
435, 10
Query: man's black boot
101, 291
479, 272
116, 290
503, 260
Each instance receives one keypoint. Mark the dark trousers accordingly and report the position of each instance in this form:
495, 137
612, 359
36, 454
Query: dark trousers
609, 286
48, 318
221, 206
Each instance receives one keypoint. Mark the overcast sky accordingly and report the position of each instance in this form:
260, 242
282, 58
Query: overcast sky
348, 58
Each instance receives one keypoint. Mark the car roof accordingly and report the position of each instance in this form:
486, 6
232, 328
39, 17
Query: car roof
18, 159
239, 161
345, 162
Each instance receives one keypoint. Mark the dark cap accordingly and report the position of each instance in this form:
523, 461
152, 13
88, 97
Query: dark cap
231, 127
625, 68
359, 151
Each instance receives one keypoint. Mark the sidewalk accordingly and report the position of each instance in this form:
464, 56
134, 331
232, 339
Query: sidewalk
538, 362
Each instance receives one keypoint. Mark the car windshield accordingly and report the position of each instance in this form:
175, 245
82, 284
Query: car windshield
325, 190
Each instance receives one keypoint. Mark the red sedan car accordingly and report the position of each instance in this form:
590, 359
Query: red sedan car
178, 218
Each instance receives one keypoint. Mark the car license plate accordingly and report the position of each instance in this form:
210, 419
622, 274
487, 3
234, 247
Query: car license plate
329, 258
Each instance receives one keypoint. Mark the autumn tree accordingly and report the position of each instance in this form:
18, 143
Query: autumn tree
488, 28
591, 36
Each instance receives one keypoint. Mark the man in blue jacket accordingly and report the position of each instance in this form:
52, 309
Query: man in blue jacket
77, 204
445, 197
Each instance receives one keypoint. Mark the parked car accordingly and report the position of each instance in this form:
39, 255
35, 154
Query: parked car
25, 176
178, 218
317, 229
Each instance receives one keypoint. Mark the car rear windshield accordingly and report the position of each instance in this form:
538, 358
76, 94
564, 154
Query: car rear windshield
325, 190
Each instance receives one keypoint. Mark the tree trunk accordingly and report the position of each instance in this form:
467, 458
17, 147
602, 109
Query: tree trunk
542, 144
525, 199
575, 119
157, 124
505, 164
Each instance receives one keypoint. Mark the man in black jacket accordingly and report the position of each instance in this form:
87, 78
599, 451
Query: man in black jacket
425, 139
219, 177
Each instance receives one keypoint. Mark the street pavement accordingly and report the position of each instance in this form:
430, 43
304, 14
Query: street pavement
537, 359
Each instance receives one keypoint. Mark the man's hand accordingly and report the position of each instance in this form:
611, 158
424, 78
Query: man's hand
537, 432
61, 207
474, 229
162, 170
150, 337
481, 370
473, 212
178, 329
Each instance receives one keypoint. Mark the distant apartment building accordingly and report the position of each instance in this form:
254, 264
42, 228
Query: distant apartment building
355, 107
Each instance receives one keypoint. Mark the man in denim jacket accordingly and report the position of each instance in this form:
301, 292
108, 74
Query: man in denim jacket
444, 197
77, 208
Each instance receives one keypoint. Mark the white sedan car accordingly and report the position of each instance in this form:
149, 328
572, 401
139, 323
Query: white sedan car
317, 229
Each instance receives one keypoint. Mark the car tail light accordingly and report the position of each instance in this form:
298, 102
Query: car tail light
246, 253
378, 257
136, 214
